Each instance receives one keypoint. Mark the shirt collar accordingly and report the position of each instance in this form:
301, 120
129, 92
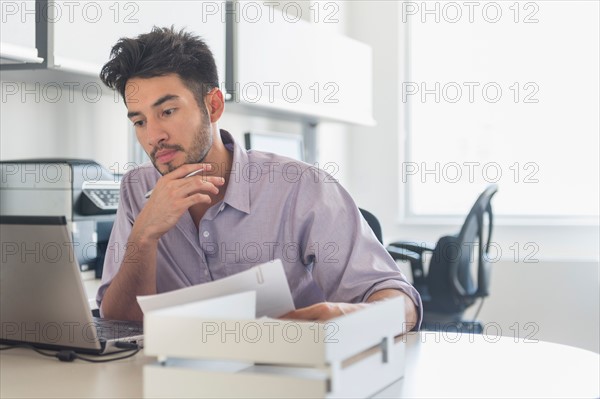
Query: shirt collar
238, 188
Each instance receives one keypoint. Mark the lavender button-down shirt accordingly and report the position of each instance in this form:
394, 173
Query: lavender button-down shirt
274, 207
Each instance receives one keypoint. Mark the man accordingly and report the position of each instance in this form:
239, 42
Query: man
242, 209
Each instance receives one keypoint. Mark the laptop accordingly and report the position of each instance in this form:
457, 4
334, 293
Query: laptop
42, 299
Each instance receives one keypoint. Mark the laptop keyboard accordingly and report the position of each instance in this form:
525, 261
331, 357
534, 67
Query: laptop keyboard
117, 329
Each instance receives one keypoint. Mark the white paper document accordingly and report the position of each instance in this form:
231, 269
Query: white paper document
273, 296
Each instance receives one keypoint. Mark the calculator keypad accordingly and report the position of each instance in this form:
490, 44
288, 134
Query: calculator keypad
104, 198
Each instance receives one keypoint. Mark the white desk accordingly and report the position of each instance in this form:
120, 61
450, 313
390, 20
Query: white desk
436, 366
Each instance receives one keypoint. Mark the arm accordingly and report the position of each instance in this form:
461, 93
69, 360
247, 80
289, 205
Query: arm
172, 196
410, 310
324, 311
136, 276
358, 270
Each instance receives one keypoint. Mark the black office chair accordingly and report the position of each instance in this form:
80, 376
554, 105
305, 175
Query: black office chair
373, 223
449, 288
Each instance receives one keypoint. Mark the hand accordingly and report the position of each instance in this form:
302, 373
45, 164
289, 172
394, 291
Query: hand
324, 311
172, 196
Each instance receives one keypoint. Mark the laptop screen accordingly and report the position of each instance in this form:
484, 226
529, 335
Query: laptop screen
42, 299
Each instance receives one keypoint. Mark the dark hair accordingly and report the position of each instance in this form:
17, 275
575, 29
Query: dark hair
161, 52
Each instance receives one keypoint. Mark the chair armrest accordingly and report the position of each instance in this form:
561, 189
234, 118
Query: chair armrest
403, 254
419, 248
416, 265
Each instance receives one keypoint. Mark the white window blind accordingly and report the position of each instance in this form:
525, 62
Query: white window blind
503, 92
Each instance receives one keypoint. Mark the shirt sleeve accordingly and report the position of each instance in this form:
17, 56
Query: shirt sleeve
348, 263
117, 243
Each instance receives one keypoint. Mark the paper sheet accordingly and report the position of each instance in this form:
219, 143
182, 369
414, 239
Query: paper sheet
273, 296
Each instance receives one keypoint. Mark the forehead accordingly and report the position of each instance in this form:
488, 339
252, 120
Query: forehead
144, 91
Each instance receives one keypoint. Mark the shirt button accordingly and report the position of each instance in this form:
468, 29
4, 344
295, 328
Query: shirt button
205, 234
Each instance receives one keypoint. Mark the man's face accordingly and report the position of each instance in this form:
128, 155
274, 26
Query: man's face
169, 124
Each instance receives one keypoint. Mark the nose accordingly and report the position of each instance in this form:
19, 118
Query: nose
155, 132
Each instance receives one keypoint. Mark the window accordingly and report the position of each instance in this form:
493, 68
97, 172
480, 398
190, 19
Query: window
503, 92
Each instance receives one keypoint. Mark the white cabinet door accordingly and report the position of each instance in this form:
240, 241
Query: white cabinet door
85, 31
17, 32
289, 65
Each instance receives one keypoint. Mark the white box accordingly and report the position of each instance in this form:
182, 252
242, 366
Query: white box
202, 356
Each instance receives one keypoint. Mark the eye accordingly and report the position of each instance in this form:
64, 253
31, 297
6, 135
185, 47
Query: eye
138, 123
168, 112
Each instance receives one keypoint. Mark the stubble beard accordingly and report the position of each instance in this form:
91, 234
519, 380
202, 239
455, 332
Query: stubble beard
201, 145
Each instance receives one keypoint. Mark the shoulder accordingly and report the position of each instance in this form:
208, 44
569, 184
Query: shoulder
284, 170
307, 188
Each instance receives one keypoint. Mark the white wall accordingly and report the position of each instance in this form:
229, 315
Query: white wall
559, 300
35, 125
559, 293
51, 120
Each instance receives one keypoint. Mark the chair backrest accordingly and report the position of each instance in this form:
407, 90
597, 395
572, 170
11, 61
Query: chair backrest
450, 282
373, 223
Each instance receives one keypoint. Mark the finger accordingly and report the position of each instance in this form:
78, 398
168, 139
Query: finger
196, 198
186, 169
216, 180
186, 187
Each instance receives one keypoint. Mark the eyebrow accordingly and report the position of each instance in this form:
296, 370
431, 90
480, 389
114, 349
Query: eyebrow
157, 103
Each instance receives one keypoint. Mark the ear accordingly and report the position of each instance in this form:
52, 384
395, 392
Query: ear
215, 104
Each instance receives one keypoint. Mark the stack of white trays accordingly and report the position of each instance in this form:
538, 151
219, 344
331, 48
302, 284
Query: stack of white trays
204, 354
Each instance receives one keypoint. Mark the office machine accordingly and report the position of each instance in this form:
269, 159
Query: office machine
82, 191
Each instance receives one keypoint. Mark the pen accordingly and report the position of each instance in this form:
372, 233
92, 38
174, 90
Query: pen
149, 193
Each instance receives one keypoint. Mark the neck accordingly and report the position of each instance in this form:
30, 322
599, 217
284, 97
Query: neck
221, 159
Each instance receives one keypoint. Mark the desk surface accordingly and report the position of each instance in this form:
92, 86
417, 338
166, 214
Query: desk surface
437, 365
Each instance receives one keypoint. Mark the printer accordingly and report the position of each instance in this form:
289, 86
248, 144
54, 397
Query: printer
83, 191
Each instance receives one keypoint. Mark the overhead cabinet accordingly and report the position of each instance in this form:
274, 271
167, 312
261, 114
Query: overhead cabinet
80, 34
273, 65
84, 43
17, 33
290, 65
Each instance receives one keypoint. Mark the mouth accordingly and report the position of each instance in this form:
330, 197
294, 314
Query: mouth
165, 156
